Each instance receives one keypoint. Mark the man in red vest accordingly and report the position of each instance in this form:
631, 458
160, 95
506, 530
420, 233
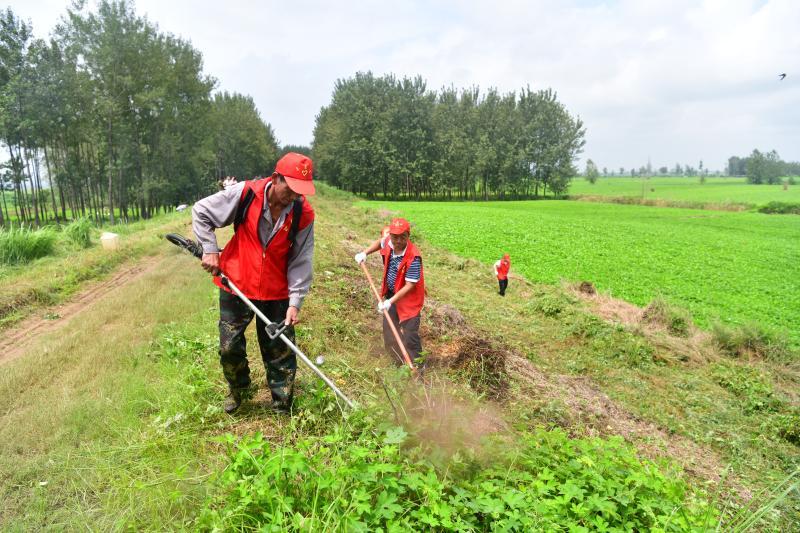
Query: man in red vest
501, 269
403, 287
269, 258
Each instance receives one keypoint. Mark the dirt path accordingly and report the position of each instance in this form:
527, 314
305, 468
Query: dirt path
15, 341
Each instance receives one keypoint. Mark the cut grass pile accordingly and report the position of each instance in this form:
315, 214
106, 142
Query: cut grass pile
713, 191
736, 267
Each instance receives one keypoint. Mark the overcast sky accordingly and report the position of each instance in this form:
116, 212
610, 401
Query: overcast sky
672, 81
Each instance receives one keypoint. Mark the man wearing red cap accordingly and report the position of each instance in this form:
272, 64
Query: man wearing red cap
403, 287
501, 269
269, 258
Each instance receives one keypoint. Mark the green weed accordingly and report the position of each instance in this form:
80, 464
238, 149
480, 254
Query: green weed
21, 244
586, 326
618, 345
748, 384
79, 232
787, 426
551, 304
750, 517
781, 208
359, 479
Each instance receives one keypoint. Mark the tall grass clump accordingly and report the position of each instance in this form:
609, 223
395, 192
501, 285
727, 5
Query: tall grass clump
79, 232
780, 208
752, 339
676, 320
21, 244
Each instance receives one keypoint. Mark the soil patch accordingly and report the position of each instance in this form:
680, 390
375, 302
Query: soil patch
586, 287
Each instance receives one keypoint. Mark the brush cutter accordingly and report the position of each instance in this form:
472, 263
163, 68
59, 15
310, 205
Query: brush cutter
403, 350
274, 329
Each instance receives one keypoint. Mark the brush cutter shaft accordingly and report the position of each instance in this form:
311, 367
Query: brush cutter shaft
396, 334
228, 283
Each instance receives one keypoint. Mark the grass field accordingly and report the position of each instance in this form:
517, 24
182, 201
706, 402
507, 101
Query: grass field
737, 267
714, 190
114, 422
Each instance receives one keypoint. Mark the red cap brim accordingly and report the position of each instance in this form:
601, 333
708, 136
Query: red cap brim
304, 187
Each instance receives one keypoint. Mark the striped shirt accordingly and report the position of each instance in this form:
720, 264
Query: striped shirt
412, 274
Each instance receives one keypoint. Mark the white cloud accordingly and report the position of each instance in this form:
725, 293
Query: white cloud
676, 81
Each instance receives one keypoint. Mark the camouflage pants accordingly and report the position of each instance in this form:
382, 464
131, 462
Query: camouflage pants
279, 360
409, 334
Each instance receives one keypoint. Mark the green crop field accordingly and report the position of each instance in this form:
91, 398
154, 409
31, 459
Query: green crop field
714, 190
738, 267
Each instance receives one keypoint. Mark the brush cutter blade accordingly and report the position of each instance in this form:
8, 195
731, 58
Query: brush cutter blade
187, 244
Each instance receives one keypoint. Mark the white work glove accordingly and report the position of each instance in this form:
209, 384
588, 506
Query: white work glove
360, 257
384, 306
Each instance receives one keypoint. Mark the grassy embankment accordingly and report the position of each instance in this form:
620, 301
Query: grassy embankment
54, 278
115, 422
716, 193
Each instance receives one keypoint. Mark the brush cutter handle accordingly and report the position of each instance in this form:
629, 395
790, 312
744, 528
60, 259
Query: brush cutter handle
187, 244
275, 329
397, 338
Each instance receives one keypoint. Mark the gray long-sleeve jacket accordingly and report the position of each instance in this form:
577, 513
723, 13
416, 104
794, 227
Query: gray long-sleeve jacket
219, 210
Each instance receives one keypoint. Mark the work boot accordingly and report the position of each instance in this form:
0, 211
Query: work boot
280, 408
232, 401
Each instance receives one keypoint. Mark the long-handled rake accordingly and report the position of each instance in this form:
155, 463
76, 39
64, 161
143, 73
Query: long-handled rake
397, 338
274, 329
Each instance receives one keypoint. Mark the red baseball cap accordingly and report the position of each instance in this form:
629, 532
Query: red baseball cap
399, 226
297, 169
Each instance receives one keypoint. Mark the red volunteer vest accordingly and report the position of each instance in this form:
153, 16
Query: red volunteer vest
260, 272
409, 305
502, 270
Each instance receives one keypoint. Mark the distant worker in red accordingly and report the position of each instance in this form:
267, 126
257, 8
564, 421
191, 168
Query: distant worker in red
501, 269
403, 287
269, 258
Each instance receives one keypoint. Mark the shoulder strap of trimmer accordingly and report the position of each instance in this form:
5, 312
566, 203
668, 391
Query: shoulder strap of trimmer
244, 204
297, 213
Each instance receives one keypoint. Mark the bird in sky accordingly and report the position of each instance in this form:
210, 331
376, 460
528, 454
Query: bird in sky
781, 76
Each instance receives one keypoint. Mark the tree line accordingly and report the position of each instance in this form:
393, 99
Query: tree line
112, 119
592, 171
762, 167
394, 138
